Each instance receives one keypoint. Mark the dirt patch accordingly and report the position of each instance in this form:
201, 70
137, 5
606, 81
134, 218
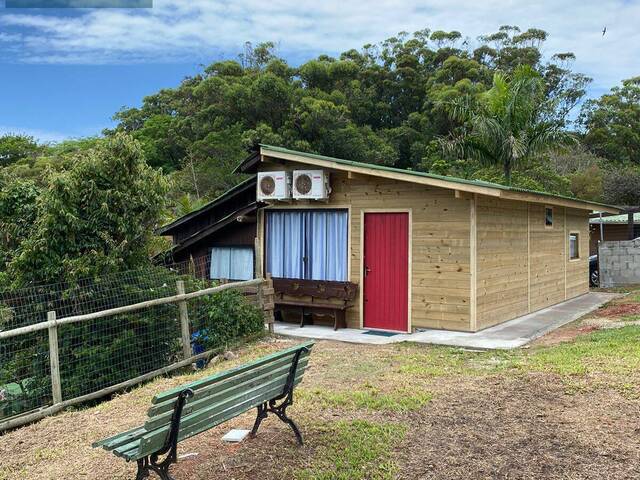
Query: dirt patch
523, 427
481, 422
621, 310
565, 334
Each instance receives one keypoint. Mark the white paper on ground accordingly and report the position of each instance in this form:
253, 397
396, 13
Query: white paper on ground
235, 436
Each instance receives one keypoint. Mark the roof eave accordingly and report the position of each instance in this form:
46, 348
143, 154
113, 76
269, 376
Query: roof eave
364, 170
223, 222
249, 164
239, 188
442, 183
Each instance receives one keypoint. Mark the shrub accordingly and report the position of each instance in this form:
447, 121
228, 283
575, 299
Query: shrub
227, 317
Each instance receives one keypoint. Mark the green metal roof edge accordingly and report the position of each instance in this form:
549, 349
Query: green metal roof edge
615, 219
464, 181
194, 213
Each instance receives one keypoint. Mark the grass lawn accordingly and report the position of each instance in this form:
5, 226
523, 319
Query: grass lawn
567, 407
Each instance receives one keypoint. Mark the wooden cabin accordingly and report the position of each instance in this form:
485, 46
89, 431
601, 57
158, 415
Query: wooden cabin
426, 251
219, 237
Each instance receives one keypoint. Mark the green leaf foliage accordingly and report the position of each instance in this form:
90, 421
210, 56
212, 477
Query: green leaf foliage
383, 104
94, 218
226, 317
612, 123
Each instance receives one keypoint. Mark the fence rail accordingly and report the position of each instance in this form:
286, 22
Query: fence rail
261, 288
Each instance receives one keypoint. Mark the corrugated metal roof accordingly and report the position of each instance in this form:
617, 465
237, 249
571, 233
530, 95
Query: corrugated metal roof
165, 229
463, 181
616, 219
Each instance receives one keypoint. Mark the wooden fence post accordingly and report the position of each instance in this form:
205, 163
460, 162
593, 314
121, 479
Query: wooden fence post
54, 360
184, 321
267, 301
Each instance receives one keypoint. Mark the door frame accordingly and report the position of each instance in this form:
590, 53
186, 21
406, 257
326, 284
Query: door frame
363, 213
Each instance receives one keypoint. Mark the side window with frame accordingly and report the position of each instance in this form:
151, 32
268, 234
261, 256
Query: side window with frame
548, 217
574, 246
231, 263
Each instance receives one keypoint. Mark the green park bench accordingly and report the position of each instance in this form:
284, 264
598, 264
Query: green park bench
175, 415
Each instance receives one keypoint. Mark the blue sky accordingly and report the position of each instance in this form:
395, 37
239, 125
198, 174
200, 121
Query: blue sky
64, 73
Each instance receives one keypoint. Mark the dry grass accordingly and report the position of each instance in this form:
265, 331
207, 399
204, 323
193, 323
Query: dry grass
566, 408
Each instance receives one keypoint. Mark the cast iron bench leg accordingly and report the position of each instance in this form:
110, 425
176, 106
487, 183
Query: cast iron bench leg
262, 414
170, 448
287, 399
143, 468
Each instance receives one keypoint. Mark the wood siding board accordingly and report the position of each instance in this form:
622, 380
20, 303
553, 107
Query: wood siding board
440, 242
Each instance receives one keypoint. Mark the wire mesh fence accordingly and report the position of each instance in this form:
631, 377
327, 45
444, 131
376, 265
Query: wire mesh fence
98, 353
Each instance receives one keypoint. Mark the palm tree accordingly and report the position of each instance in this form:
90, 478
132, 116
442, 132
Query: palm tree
505, 126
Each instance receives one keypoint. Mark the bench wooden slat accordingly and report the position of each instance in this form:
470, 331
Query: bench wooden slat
312, 304
173, 393
269, 378
215, 400
199, 422
205, 420
119, 439
323, 289
277, 366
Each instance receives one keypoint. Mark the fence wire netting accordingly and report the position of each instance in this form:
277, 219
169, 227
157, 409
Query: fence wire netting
103, 352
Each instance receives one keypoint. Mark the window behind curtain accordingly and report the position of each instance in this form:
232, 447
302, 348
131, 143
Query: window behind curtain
232, 263
307, 244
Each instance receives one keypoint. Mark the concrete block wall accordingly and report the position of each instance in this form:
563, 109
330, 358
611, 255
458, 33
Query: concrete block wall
619, 263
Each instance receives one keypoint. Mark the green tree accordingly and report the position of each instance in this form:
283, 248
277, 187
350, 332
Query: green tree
503, 126
383, 103
621, 187
14, 148
17, 215
97, 217
612, 123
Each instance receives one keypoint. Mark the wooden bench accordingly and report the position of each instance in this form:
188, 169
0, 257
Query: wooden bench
315, 296
175, 415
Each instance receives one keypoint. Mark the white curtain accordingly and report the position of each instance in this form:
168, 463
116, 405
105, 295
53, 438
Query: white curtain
307, 244
232, 263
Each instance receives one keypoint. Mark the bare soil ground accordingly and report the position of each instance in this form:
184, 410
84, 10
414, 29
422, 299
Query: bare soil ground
568, 407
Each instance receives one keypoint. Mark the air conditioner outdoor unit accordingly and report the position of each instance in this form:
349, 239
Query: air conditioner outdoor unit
311, 184
274, 185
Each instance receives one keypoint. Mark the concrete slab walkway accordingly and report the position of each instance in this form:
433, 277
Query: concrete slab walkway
512, 334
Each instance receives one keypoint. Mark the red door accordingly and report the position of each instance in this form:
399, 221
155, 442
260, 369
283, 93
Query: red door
386, 264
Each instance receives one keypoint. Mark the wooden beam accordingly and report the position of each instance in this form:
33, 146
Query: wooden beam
473, 246
126, 309
184, 321
392, 175
54, 361
436, 182
551, 200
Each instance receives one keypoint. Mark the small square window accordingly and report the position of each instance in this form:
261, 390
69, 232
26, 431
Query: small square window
574, 246
548, 217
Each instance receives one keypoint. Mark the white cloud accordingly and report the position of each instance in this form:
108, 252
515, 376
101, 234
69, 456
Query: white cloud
43, 136
204, 29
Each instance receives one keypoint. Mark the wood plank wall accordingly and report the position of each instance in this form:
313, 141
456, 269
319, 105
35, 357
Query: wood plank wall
522, 264
502, 261
440, 278
578, 270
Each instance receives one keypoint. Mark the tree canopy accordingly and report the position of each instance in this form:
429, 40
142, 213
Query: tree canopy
94, 218
612, 123
505, 125
86, 206
383, 104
